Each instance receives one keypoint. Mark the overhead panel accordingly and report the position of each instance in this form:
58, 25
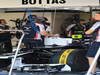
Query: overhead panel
46, 3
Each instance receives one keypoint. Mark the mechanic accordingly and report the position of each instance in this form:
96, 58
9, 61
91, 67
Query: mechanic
35, 31
96, 44
76, 28
42, 30
46, 24
5, 36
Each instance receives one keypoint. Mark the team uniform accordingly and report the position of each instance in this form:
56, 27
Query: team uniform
38, 33
95, 46
5, 38
33, 37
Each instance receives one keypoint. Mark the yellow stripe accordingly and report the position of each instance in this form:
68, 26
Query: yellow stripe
64, 56
77, 36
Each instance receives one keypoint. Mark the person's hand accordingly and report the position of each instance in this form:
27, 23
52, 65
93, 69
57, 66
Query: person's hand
56, 35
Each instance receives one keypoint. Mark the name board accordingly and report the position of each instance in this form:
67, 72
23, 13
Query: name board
46, 3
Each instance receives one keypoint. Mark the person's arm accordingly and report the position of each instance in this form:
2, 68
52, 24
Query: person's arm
93, 28
70, 27
90, 31
45, 33
2, 32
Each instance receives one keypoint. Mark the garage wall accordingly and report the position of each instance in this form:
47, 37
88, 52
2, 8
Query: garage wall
14, 16
55, 19
85, 16
55, 22
61, 16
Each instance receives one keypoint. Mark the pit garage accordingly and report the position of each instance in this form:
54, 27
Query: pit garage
62, 52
